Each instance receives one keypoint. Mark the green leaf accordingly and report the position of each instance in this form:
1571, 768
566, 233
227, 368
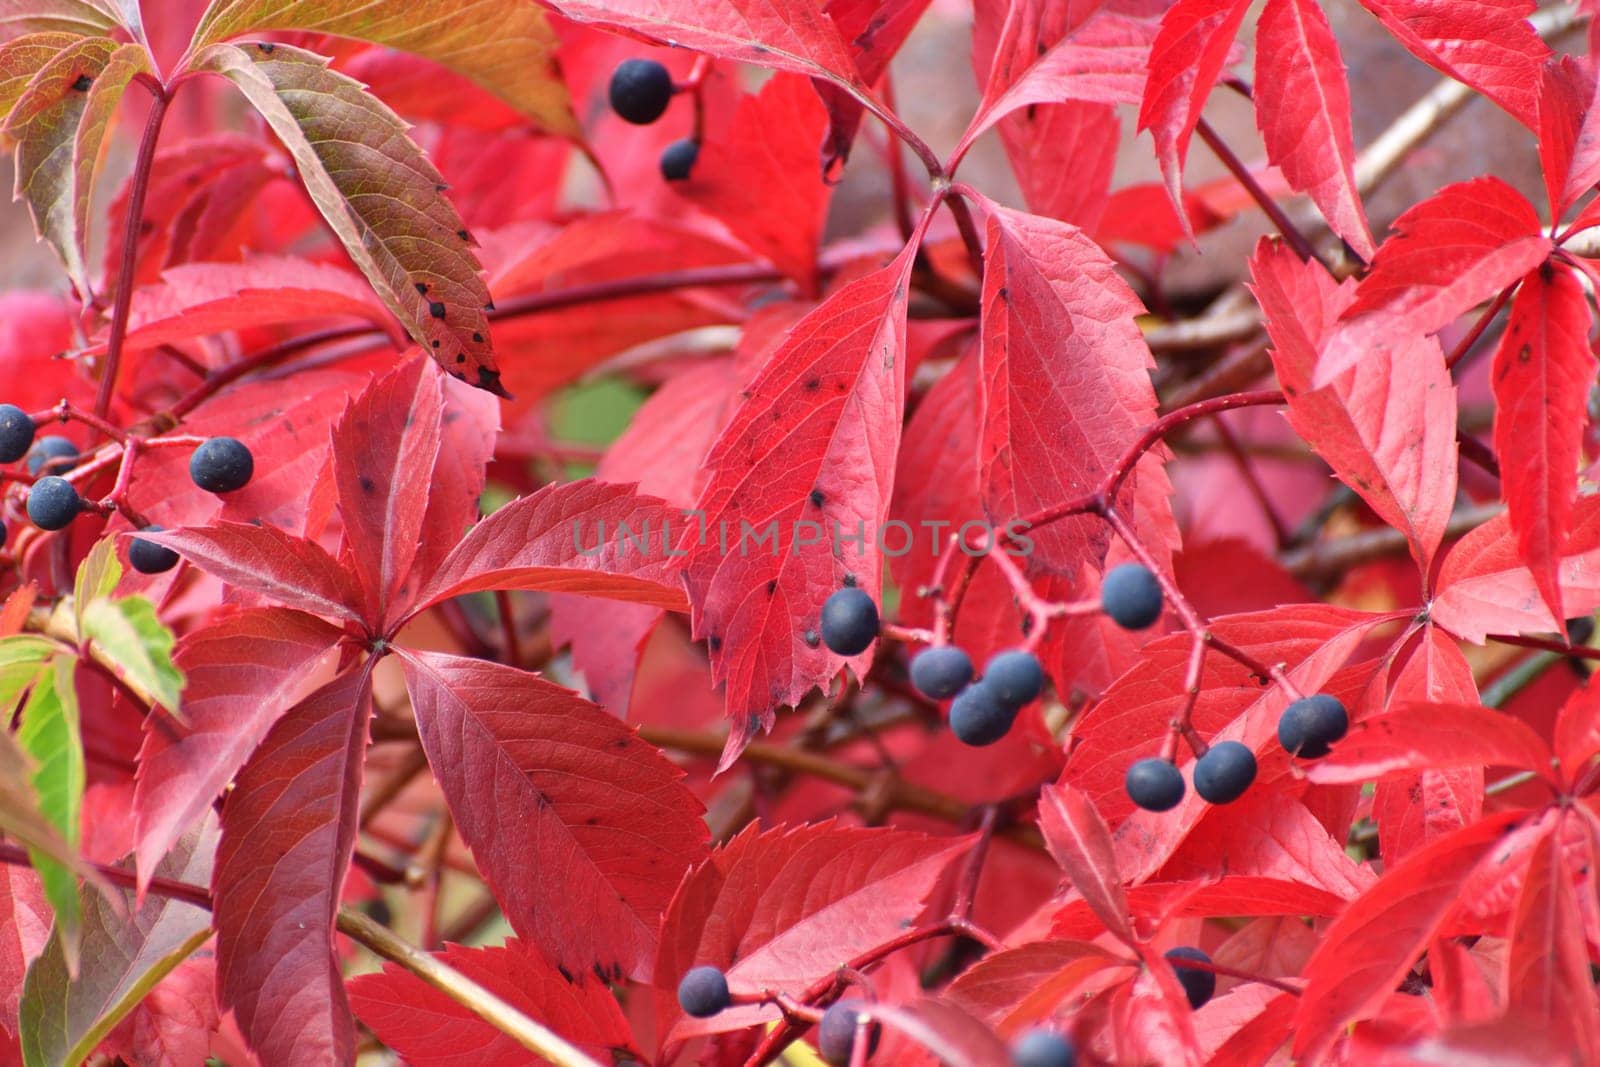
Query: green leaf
128, 633
380, 195
125, 954
97, 577
50, 735
59, 126
505, 46
20, 816
82, 18
21, 657
24, 57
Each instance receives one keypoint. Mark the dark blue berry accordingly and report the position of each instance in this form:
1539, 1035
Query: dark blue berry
1015, 677
52, 455
1131, 595
1041, 1047
1154, 784
940, 672
1198, 985
147, 557
640, 90
1311, 724
53, 503
849, 621
222, 465
1223, 774
703, 992
836, 1033
678, 159
979, 717
16, 433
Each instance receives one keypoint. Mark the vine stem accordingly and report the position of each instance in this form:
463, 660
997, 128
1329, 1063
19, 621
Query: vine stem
121, 309
385, 943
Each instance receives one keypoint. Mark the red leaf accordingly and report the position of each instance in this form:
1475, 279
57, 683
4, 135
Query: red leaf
23, 932
1081, 844
813, 442
1432, 736
1569, 131
792, 35
242, 673
265, 560
1369, 948
782, 909
198, 204
288, 832
1151, 1018
539, 779
580, 537
1387, 427
1185, 60
1058, 325
209, 298
769, 191
1104, 62
1045, 142
1449, 253
1547, 978
874, 31
1231, 895
945, 1031
427, 1027
1577, 733
1413, 809
384, 449
1542, 373
176, 1021
1257, 1040
1484, 588
1488, 44
1016, 986
1305, 116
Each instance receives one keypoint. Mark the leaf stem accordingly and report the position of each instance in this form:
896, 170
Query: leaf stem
1291, 233
160, 98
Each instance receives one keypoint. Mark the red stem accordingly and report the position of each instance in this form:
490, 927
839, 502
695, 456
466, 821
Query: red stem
199, 896
130, 250
1459, 352
1291, 233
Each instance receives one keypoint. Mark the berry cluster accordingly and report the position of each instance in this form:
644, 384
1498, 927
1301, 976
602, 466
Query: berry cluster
1308, 728
218, 465
703, 992
640, 91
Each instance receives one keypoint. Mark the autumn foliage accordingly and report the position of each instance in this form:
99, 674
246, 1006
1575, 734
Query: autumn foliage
473, 515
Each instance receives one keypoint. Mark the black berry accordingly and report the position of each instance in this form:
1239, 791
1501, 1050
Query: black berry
640, 91
52, 455
703, 992
849, 621
1154, 784
53, 503
1197, 985
1311, 724
221, 465
1131, 596
836, 1033
1223, 774
979, 717
16, 433
148, 557
678, 159
939, 673
1015, 677
1040, 1047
